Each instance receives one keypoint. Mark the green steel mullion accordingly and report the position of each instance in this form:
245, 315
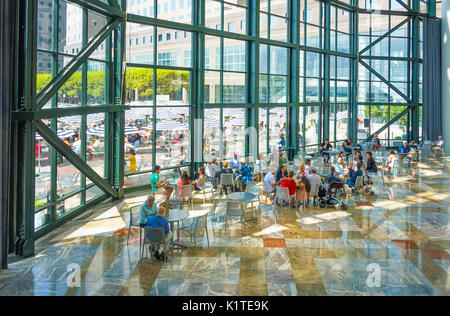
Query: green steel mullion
378, 40
109, 97
403, 5
155, 62
352, 106
73, 66
30, 54
76, 160
416, 83
28, 192
326, 75
54, 122
84, 88
431, 7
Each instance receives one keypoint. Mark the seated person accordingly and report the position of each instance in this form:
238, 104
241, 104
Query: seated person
414, 153
371, 164
281, 174
333, 176
325, 148
269, 180
94, 146
245, 172
147, 210
348, 147
184, 180
290, 184
404, 150
340, 160
234, 162
226, 169
201, 179
302, 172
158, 186
357, 158
376, 143
437, 145
159, 221
315, 182
351, 181
391, 161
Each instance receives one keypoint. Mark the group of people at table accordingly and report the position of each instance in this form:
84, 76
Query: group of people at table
302, 185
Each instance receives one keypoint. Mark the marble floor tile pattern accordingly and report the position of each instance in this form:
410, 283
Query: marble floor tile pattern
402, 230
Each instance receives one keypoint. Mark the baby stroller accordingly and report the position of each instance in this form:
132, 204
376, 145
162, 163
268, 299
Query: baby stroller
328, 196
361, 185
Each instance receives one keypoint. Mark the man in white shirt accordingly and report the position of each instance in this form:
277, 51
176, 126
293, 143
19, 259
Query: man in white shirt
211, 172
315, 180
437, 145
235, 163
269, 181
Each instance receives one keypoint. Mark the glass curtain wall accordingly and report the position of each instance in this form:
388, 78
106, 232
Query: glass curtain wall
153, 72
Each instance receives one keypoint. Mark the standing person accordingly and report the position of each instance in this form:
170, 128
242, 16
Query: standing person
302, 194
325, 148
234, 162
131, 159
159, 221
315, 181
147, 210
158, 186
212, 172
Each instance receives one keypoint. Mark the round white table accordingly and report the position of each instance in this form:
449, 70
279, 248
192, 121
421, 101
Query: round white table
243, 197
176, 216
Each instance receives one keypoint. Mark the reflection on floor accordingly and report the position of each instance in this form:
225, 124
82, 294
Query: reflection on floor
395, 242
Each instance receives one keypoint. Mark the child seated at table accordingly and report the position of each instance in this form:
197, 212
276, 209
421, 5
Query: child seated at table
159, 221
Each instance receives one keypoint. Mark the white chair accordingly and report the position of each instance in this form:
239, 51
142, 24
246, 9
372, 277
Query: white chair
234, 209
286, 197
226, 180
185, 192
197, 225
134, 222
155, 236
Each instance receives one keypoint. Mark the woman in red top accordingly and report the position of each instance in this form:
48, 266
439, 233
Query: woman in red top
290, 183
183, 181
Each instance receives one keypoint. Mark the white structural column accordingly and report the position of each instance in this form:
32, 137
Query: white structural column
446, 72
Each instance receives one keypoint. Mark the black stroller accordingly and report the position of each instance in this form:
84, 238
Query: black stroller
328, 196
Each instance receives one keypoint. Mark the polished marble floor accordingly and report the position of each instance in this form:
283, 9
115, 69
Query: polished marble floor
395, 242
